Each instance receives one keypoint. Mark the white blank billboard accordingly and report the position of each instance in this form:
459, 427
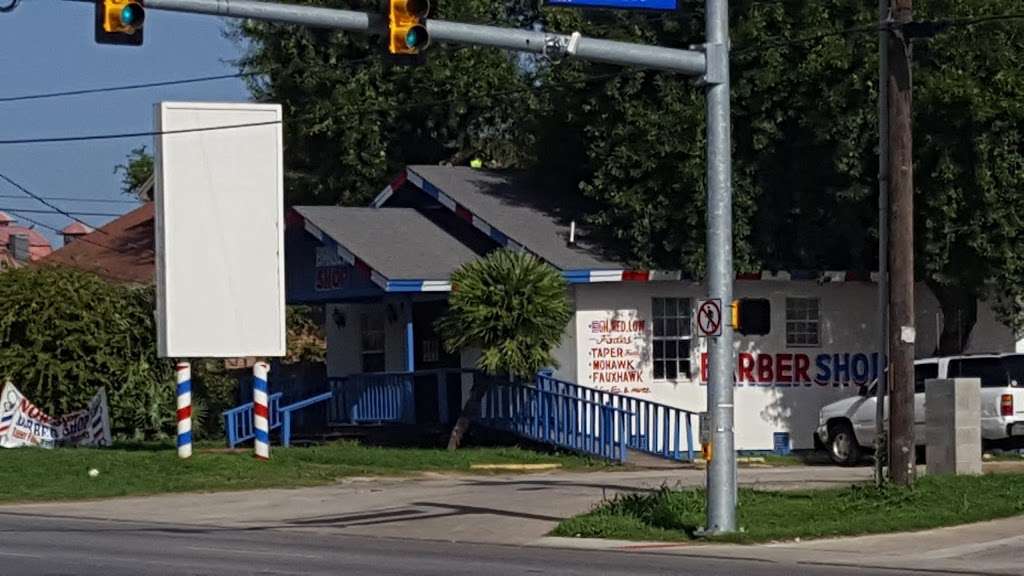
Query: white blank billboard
219, 230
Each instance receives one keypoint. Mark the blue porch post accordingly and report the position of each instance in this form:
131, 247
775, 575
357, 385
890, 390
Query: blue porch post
410, 344
409, 410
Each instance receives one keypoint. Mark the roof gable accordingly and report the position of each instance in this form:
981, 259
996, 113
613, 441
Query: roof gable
511, 209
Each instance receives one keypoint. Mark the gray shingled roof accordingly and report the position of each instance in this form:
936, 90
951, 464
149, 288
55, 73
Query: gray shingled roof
515, 206
399, 243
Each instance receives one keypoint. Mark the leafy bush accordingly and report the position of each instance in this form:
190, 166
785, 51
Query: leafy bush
66, 333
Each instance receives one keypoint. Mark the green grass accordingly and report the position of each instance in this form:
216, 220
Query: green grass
675, 515
30, 474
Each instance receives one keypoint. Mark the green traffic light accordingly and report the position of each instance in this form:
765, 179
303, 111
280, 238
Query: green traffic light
416, 37
133, 15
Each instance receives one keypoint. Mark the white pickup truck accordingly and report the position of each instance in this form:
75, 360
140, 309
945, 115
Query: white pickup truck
847, 428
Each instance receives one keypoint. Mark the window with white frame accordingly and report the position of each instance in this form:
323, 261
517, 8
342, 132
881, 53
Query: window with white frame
671, 357
803, 322
371, 340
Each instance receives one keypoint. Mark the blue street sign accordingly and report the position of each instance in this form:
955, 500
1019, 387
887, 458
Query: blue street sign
666, 5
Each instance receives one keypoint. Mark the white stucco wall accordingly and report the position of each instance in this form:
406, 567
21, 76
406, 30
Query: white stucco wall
770, 401
343, 343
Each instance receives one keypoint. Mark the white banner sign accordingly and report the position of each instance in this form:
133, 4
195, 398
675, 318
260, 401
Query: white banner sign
22, 423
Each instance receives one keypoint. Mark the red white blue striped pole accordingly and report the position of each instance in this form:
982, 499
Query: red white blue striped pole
261, 410
184, 392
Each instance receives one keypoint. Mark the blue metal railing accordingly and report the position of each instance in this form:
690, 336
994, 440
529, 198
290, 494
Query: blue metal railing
376, 398
372, 398
238, 421
286, 415
553, 411
653, 428
386, 397
551, 416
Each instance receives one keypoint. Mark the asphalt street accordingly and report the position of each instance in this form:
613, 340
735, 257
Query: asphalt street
33, 545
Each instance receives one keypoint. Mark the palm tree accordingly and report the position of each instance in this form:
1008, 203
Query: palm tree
513, 308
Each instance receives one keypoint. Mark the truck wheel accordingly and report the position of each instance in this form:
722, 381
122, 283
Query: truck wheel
842, 444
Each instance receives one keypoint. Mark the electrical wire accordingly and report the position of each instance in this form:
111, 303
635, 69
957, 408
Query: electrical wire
363, 110
9, 7
85, 239
73, 199
157, 84
39, 198
122, 135
76, 213
125, 87
775, 42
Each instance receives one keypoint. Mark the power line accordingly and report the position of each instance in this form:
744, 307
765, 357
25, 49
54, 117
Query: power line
73, 199
5, 178
158, 83
85, 239
76, 213
780, 41
381, 108
93, 137
125, 87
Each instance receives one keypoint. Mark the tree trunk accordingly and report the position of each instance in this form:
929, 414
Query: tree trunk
959, 315
470, 411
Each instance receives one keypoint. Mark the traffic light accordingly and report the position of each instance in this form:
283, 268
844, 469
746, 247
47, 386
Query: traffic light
120, 22
752, 316
407, 26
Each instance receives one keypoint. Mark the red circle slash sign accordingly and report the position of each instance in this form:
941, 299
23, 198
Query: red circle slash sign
709, 318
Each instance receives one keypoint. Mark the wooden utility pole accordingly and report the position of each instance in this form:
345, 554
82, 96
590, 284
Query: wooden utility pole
901, 252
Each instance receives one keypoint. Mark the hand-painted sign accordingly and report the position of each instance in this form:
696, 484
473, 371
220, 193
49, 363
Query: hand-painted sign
317, 274
22, 423
663, 5
785, 369
614, 341
331, 270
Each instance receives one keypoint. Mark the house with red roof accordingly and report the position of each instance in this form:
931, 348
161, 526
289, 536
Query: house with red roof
20, 244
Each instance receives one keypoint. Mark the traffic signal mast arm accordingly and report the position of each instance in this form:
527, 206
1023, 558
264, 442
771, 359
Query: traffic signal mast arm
689, 62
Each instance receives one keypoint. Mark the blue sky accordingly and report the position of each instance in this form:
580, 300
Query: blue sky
47, 45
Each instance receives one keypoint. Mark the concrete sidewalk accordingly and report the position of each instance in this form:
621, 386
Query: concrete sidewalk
501, 509
522, 509
995, 547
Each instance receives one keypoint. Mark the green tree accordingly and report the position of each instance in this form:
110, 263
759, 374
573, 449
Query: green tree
513, 308
136, 172
353, 120
631, 143
805, 136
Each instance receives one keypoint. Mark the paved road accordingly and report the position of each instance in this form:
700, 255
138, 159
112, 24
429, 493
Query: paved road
32, 545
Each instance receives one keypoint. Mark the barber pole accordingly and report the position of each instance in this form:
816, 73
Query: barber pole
261, 410
184, 373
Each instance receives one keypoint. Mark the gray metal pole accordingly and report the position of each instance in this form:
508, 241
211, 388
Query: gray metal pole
883, 236
721, 363
690, 62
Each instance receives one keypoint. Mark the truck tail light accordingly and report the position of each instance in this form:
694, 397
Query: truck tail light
1006, 405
